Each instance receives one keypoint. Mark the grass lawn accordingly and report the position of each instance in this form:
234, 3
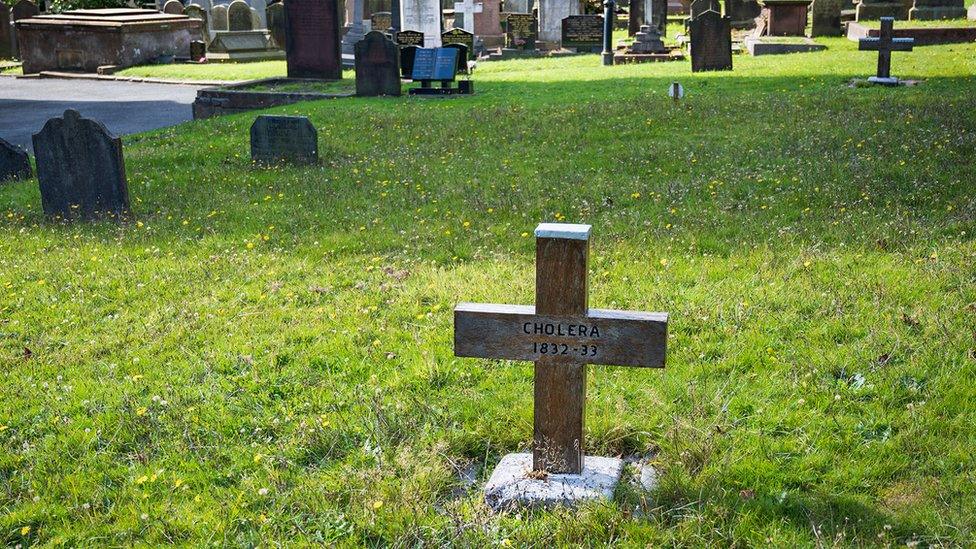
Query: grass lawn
899, 24
264, 356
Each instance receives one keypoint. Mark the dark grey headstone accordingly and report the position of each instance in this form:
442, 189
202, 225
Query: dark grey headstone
80, 168
239, 16
312, 39
742, 12
699, 7
377, 65
275, 14
198, 50
6, 32
24, 9
711, 42
289, 139
13, 162
218, 16
173, 7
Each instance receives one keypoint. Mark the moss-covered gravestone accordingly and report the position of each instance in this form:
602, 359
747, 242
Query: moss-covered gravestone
14, 163
239, 16
80, 168
284, 139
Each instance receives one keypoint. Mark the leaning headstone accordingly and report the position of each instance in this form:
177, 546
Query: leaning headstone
80, 168
826, 18
14, 163
173, 7
276, 24
551, 15
6, 32
711, 42
423, 16
239, 16
219, 16
284, 139
312, 39
377, 66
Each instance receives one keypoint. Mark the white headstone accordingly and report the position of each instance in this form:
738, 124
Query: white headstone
551, 14
423, 16
468, 8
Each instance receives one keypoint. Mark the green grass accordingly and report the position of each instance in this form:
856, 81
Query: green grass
209, 71
265, 356
346, 85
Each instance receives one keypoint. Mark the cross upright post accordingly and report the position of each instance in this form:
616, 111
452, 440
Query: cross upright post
562, 335
884, 44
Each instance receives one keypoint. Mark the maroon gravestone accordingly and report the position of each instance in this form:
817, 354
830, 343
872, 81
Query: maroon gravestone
711, 42
377, 66
786, 17
312, 39
80, 168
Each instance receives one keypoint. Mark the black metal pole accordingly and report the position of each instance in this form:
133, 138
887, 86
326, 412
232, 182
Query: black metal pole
608, 9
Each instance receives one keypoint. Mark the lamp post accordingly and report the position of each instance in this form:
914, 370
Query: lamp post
608, 9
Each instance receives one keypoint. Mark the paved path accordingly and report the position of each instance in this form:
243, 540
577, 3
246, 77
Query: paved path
124, 107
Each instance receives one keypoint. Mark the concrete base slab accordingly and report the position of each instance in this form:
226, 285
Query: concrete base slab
889, 81
779, 46
513, 483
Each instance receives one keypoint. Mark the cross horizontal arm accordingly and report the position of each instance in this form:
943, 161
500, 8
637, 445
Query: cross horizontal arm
902, 44
869, 44
515, 332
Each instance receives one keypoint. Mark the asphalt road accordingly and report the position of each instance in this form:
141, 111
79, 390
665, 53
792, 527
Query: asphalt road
124, 107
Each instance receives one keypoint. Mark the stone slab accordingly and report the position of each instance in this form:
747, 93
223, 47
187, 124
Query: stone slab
924, 36
772, 46
513, 483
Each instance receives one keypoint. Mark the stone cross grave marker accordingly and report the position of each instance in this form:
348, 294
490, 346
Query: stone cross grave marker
80, 168
13, 162
284, 139
562, 335
467, 8
884, 44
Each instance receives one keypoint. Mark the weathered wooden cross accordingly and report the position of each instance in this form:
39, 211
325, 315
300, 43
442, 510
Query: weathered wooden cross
884, 44
562, 335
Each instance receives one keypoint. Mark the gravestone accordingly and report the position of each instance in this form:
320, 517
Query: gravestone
659, 15
562, 335
196, 11
460, 36
464, 12
276, 24
423, 16
699, 7
826, 18
14, 163
312, 39
488, 25
381, 20
937, 9
218, 16
407, 55
284, 139
355, 30
711, 42
259, 11
239, 16
377, 66
636, 17
521, 31
6, 32
24, 9
884, 44
583, 32
743, 13
198, 50
551, 15
173, 7
410, 38
80, 168
876, 9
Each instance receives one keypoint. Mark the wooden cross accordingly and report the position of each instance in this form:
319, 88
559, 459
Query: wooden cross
884, 44
562, 335
468, 8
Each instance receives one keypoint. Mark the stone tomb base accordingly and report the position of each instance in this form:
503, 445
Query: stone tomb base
513, 484
83, 40
768, 45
